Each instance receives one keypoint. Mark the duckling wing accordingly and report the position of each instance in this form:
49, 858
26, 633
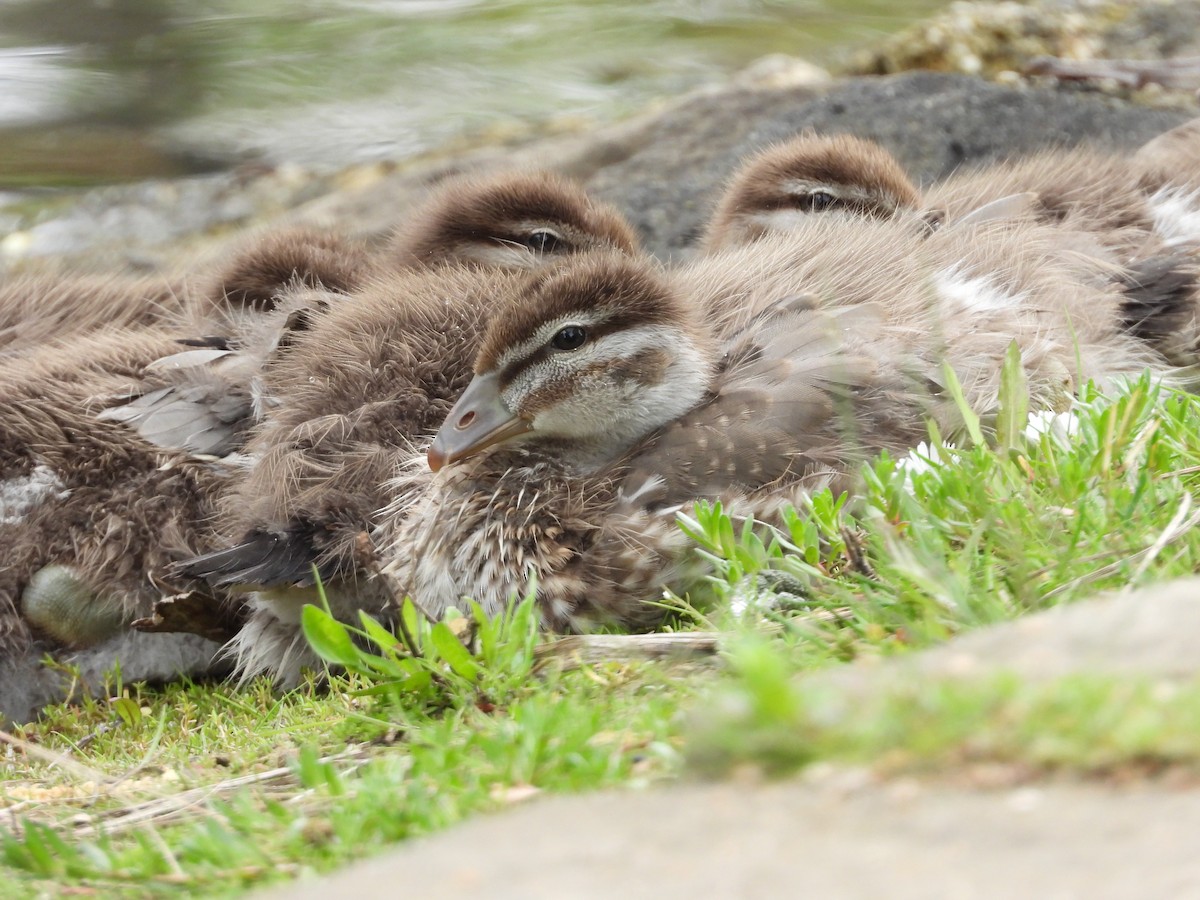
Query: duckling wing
195, 401
785, 406
263, 558
205, 400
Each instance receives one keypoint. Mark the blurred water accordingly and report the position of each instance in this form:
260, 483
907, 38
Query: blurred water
333, 82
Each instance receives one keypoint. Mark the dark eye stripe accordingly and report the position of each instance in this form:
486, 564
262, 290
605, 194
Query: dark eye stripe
594, 332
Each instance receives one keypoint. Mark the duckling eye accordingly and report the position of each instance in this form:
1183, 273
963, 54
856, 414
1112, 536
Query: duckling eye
820, 200
543, 241
569, 338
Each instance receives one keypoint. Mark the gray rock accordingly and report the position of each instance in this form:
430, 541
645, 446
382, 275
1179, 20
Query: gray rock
27, 684
666, 175
663, 170
843, 837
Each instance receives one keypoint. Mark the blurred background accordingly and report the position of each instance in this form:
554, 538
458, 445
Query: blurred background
103, 90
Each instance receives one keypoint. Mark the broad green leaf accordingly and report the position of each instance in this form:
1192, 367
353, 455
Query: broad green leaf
129, 711
328, 637
453, 652
380, 636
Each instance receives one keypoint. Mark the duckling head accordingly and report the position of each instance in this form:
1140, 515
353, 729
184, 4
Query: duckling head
296, 257
512, 220
593, 356
809, 175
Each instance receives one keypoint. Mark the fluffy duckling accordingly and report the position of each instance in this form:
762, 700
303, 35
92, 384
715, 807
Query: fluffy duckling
506, 220
1143, 211
205, 400
370, 379
810, 174
601, 402
36, 309
91, 515
1114, 197
90, 518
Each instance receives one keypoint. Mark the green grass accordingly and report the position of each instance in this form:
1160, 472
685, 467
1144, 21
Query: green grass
1089, 725
987, 535
443, 721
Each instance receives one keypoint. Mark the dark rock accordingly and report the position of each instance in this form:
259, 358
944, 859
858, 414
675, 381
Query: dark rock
666, 174
28, 683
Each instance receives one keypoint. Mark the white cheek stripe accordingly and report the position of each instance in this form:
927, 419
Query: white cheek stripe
611, 348
504, 255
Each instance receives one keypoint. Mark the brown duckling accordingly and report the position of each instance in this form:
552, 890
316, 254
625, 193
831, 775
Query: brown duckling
206, 400
92, 515
810, 174
602, 401
506, 220
370, 379
1143, 211
36, 309
1111, 196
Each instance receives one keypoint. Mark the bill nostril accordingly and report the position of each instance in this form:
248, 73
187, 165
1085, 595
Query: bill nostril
466, 420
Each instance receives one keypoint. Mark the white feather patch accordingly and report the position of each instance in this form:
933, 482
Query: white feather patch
1176, 213
974, 294
20, 496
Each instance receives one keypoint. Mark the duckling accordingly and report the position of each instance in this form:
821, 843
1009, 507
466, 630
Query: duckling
89, 515
1168, 170
371, 378
609, 394
810, 174
204, 399
1143, 211
92, 515
506, 220
1091, 191
207, 399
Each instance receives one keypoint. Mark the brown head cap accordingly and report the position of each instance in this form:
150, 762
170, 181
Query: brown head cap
511, 220
810, 174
